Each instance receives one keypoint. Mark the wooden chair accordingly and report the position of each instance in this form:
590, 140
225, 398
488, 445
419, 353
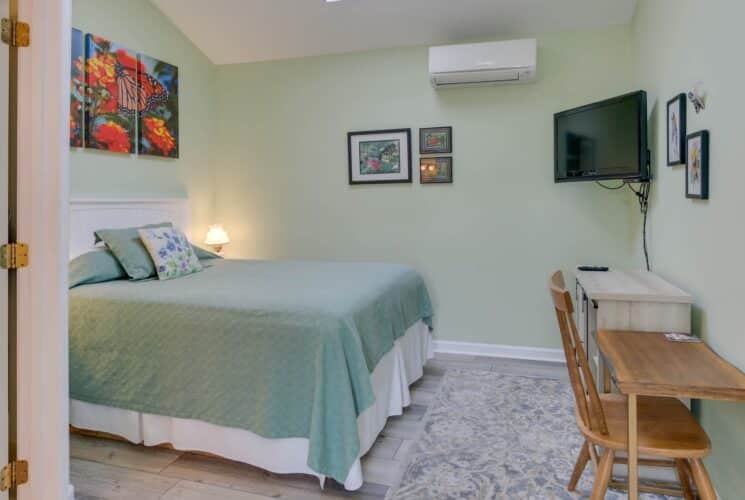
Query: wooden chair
666, 427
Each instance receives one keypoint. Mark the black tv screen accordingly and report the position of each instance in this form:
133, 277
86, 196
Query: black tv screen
601, 141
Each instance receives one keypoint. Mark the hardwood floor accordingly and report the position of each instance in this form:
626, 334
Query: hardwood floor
110, 470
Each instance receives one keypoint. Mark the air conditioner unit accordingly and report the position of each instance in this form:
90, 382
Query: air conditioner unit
488, 63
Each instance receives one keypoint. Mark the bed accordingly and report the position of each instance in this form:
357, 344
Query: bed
293, 367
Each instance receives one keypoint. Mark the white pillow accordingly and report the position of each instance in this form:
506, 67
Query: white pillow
171, 252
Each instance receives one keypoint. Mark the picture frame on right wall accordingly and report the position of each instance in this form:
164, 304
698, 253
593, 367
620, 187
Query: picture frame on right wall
676, 130
697, 165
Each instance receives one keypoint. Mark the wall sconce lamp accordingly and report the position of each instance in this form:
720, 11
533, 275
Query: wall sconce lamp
697, 96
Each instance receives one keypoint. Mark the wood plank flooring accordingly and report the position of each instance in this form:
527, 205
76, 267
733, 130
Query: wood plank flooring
110, 470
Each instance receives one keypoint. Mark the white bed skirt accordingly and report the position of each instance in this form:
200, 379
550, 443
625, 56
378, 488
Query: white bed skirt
399, 368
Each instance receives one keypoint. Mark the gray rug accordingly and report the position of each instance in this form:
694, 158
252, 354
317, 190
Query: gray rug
494, 436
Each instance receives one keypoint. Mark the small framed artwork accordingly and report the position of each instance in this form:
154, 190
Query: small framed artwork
435, 140
77, 88
437, 170
379, 156
676, 130
697, 166
111, 87
159, 118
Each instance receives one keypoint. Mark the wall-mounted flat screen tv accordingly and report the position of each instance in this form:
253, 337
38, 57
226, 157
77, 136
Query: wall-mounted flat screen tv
603, 141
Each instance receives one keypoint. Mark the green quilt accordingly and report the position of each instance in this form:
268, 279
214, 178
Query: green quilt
282, 349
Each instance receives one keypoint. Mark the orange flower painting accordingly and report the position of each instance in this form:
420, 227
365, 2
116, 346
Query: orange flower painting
159, 120
112, 137
116, 92
111, 95
157, 134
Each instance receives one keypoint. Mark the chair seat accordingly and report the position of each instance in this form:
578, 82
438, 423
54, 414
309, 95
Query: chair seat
666, 427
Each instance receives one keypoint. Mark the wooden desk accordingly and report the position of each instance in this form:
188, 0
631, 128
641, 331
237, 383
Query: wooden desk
626, 300
647, 364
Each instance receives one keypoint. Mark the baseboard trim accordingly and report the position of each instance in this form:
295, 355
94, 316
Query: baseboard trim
500, 351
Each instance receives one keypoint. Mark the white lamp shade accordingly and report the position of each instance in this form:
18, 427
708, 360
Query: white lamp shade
216, 235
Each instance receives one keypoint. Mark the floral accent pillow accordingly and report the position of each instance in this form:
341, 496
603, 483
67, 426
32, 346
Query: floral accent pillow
171, 252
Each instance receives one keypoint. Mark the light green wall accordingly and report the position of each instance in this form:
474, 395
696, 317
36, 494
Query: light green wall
700, 245
486, 244
140, 26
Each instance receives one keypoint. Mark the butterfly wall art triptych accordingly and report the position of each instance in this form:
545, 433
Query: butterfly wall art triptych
129, 101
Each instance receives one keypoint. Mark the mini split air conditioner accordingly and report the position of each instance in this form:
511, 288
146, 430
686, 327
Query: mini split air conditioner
488, 63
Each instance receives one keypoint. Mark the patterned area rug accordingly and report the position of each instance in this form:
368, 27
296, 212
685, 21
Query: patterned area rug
495, 436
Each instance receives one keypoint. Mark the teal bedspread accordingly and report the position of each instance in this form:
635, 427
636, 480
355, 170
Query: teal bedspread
282, 349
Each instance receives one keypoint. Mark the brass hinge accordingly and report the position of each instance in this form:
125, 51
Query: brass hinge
13, 256
13, 475
15, 33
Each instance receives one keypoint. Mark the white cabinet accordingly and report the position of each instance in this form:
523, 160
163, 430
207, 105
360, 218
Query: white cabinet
626, 300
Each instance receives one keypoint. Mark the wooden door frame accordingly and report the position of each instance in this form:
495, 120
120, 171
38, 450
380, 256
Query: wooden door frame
43, 193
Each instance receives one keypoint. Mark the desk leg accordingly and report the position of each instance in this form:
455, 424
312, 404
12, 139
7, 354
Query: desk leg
633, 450
606, 377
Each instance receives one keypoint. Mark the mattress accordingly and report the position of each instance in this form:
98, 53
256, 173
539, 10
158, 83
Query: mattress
283, 350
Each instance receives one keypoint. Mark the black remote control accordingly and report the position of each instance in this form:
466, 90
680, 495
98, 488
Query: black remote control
593, 268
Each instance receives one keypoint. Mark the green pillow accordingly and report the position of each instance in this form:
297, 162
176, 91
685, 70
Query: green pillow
94, 267
203, 254
127, 247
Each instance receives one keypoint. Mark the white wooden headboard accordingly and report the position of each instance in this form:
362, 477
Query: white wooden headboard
88, 215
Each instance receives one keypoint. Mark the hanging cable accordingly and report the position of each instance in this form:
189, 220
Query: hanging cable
642, 195
611, 188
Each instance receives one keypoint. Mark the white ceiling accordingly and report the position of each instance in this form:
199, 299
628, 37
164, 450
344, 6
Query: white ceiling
235, 31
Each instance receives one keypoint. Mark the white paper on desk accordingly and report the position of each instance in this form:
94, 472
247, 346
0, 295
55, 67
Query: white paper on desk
681, 337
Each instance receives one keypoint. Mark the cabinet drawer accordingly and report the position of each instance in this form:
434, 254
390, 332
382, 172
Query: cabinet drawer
644, 316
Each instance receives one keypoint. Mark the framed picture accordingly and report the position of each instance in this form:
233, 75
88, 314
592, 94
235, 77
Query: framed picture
436, 140
697, 165
676, 130
77, 88
158, 126
111, 95
379, 156
437, 170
